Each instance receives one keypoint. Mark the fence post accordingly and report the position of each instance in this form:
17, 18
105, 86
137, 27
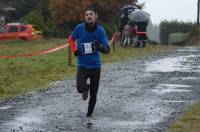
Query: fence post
69, 56
114, 44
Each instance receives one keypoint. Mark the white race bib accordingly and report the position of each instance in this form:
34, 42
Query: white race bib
88, 48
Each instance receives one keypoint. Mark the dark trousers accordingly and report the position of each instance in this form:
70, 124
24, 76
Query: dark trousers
83, 74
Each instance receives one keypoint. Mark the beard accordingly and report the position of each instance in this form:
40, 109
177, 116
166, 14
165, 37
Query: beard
91, 27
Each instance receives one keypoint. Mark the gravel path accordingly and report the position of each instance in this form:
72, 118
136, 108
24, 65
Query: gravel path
144, 95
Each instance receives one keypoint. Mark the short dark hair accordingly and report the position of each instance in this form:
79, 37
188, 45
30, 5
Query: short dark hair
92, 9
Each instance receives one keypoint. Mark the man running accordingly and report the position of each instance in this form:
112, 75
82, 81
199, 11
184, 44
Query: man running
91, 38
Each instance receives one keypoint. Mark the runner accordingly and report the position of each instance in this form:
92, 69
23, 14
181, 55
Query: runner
91, 38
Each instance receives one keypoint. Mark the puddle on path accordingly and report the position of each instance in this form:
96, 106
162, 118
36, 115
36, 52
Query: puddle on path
188, 49
189, 78
29, 119
141, 114
5, 107
24, 122
112, 123
170, 64
168, 88
177, 101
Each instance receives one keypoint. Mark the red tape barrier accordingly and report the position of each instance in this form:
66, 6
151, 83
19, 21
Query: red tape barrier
114, 38
35, 53
141, 33
50, 50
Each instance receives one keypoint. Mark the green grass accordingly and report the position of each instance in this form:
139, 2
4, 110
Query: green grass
26, 74
121, 54
189, 122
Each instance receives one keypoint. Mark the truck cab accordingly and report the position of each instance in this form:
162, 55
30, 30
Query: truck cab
16, 31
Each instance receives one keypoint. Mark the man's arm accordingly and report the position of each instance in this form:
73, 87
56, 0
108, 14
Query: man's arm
71, 40
72, 44
102, 48
103, 44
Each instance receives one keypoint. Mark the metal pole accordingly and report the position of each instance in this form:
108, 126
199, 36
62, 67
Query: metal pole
198, 13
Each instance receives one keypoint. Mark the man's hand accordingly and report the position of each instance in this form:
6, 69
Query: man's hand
98, 45
101, 48
76, 53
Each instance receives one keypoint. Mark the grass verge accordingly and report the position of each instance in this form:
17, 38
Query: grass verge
189, 122
25, 74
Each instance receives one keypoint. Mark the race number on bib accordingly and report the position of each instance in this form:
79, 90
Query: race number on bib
88, 48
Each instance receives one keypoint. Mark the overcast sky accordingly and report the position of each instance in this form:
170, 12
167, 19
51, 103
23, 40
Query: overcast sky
182, 10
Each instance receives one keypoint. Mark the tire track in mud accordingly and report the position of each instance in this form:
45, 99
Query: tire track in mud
144, 95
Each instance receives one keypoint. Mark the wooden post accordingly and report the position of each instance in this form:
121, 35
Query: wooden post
114, 43
69, 56
115, 37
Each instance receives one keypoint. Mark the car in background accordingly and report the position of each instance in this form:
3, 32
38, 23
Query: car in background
16, 31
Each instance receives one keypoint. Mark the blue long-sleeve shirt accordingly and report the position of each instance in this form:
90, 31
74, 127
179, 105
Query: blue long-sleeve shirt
88, 55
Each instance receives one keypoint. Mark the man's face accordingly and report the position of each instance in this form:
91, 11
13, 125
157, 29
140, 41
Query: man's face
90, 17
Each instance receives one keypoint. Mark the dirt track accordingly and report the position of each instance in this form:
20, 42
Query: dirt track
144, 95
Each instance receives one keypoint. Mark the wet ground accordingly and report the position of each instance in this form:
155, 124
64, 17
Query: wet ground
144, 95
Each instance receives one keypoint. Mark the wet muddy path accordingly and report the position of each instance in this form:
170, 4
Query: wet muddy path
144, 95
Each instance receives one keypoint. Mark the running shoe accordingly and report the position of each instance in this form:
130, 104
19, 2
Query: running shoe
88, 121
85, 95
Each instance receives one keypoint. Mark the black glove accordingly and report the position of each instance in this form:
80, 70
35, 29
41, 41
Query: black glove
76, 53
97, 44
101, 48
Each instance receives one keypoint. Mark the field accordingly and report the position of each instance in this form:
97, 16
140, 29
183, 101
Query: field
25, 74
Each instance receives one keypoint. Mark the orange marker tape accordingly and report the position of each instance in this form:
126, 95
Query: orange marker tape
36, 53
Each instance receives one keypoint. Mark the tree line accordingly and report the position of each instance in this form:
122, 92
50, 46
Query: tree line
58, 17
169, 27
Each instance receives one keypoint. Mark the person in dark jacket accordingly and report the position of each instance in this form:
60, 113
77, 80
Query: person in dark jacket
142, 27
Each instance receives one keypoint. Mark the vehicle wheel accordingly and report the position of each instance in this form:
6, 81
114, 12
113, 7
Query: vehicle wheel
137, 45
143, 44
23, 38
